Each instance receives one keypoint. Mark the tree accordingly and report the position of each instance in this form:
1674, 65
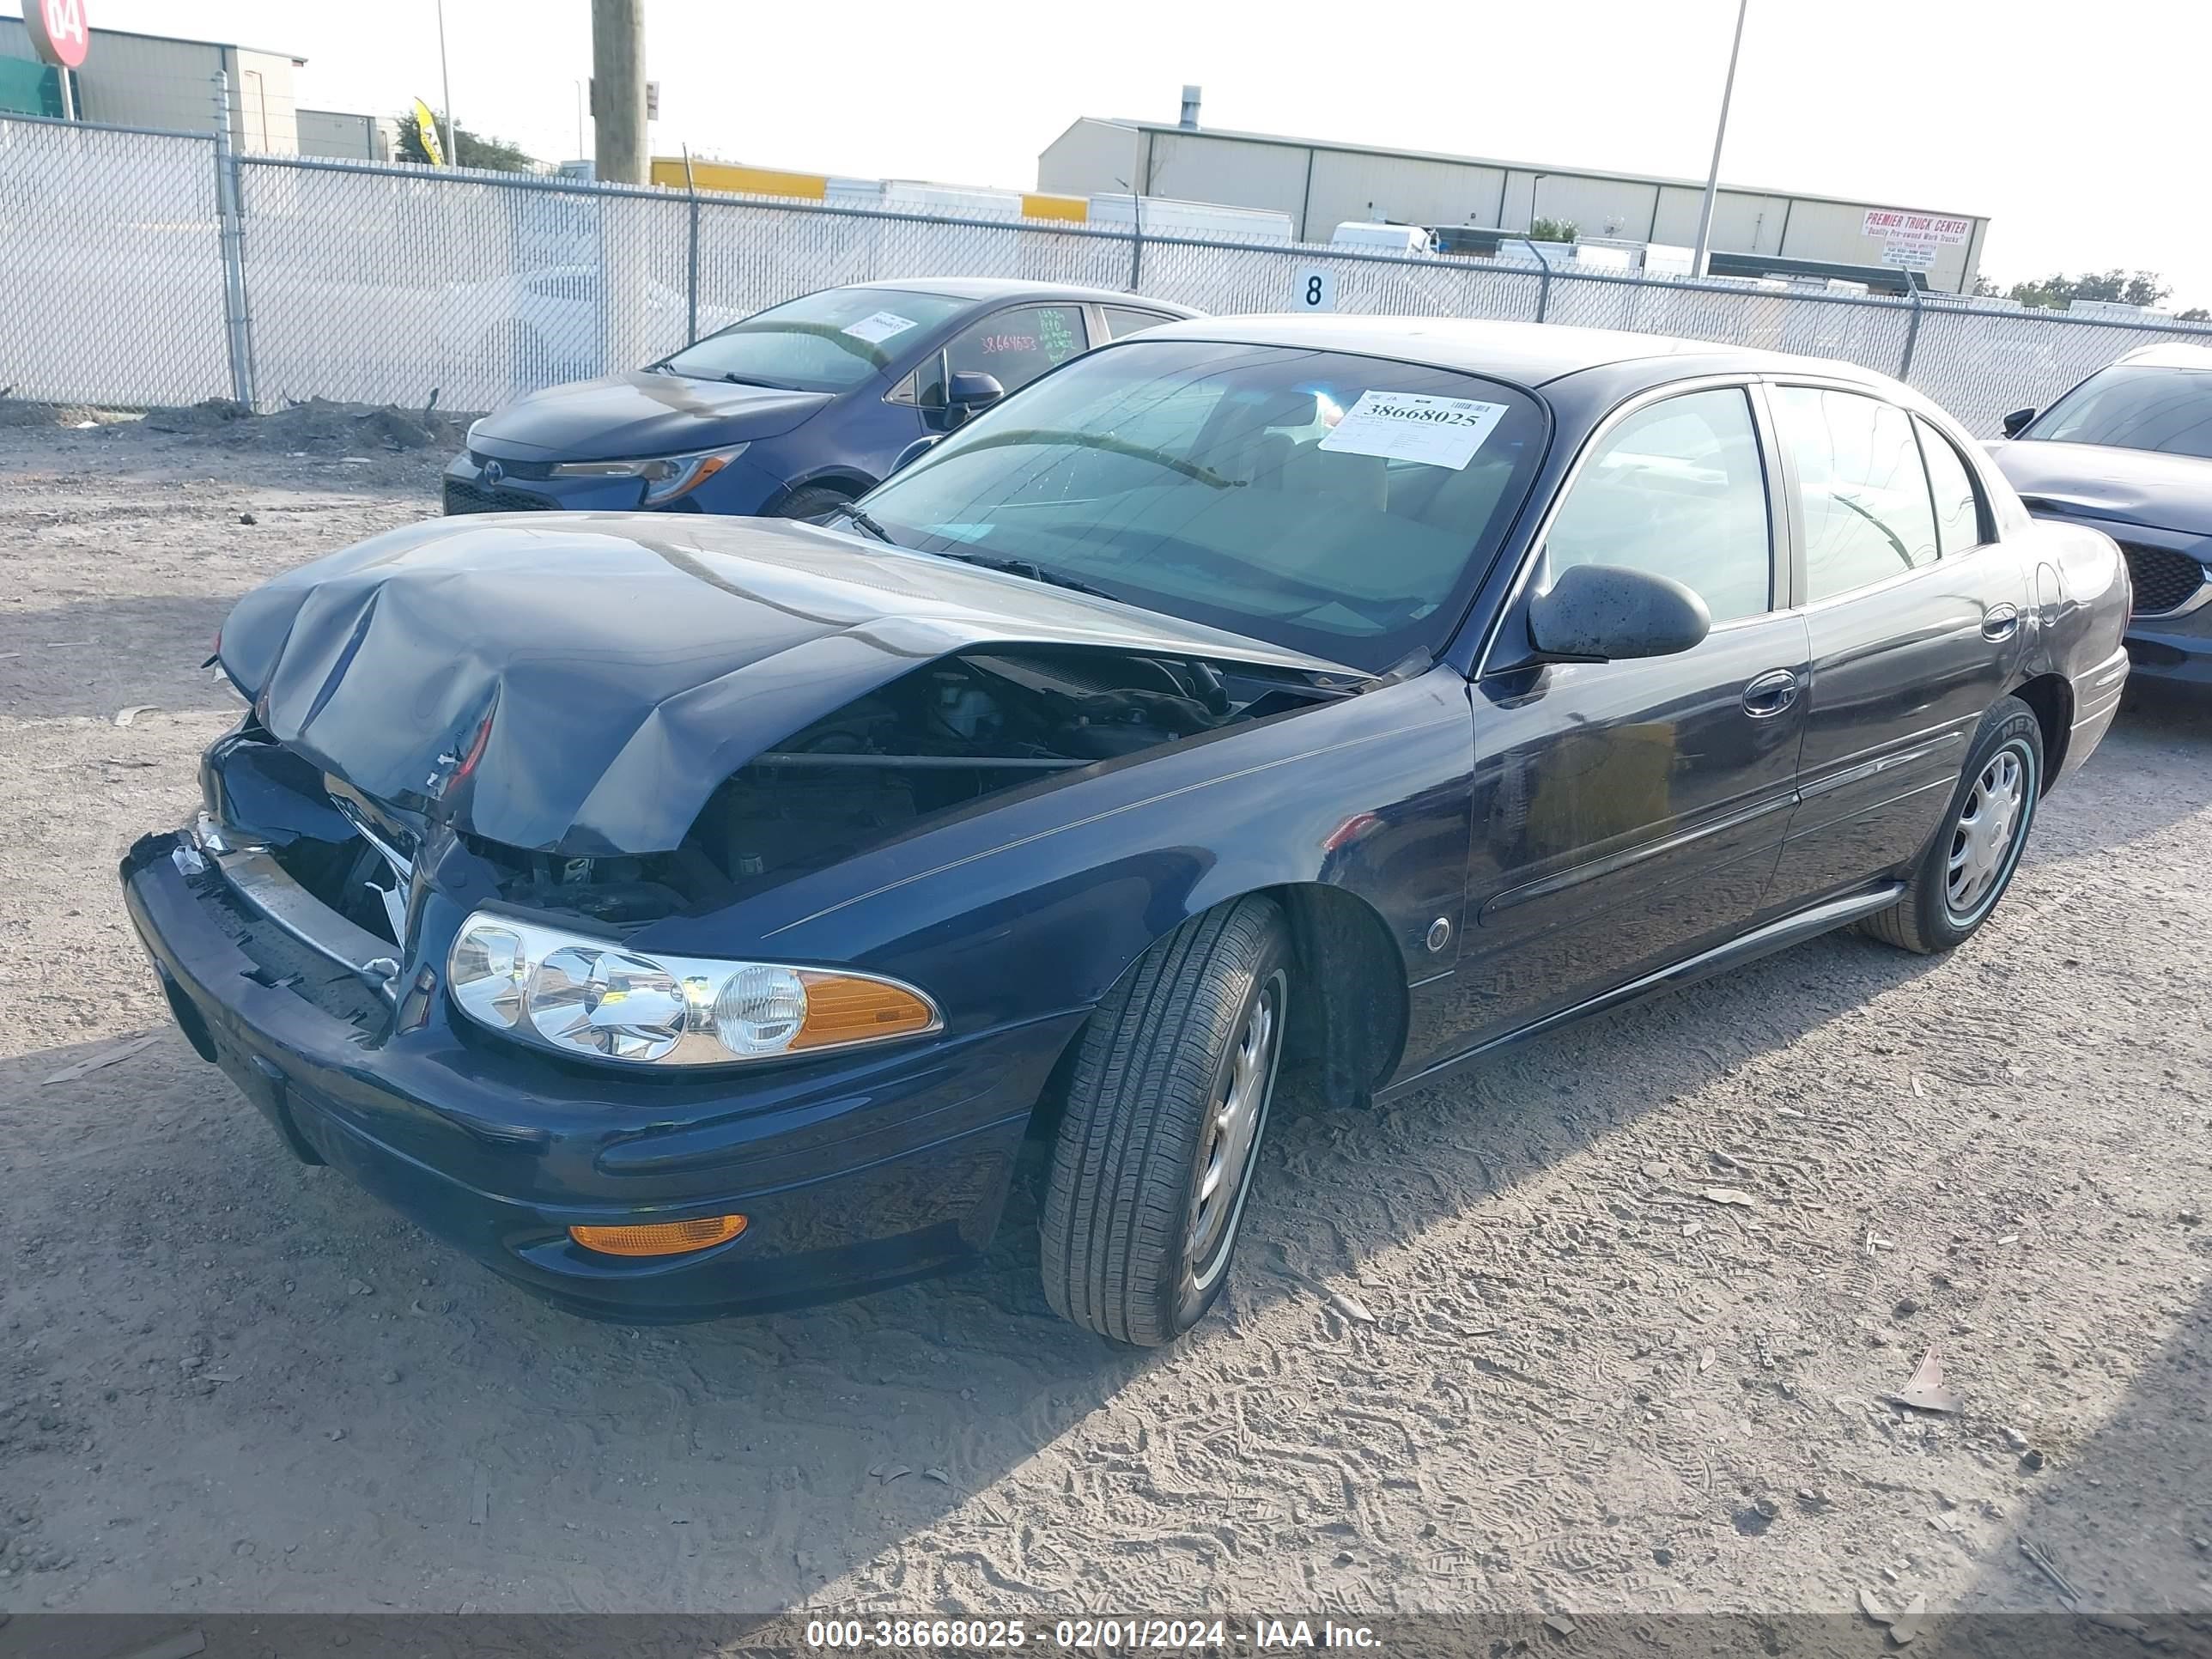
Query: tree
2141, 288
494, 155
2195, 314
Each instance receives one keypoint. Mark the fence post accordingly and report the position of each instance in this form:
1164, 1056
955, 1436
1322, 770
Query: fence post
1544, 283
1136, 240
691, 290
1911, 329
237, 326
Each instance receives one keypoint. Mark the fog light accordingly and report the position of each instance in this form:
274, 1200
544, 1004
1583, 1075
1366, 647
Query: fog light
660, 1237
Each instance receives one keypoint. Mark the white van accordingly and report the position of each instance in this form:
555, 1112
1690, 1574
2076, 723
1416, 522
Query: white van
1392, 239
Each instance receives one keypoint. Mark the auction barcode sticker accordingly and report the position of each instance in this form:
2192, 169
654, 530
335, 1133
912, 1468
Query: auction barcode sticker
880, 327
1412, 426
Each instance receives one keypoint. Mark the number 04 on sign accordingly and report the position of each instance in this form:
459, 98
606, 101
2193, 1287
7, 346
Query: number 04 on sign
58, 32
1315, 291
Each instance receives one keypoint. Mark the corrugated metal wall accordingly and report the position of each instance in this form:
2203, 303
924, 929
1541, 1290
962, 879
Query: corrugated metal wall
1323, 187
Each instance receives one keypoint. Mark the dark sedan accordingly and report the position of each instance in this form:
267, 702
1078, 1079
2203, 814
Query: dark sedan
2129, 451
790, 411
684, 915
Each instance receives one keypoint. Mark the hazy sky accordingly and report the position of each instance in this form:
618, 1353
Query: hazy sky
2080, 131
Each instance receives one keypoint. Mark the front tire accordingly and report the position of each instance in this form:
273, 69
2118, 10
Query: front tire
1970, 862
1167, 1105
810, 501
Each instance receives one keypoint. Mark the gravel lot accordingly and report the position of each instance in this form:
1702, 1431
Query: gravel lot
1488, 1349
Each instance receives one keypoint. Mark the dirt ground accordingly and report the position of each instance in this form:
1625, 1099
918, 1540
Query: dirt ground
1489, 1348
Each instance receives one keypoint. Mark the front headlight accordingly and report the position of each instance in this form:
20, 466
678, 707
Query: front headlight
594, 998
666, 476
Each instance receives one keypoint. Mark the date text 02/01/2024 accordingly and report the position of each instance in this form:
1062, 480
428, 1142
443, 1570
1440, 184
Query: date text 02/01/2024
1086, 1634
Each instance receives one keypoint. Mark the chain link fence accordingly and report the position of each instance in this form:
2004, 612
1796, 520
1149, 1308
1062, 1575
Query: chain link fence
148, 267
111, 260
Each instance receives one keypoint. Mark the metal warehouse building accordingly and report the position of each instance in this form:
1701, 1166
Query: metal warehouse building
166, 82
1322, 184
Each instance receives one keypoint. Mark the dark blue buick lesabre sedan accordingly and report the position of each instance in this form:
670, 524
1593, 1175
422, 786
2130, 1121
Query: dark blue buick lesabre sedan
790, 411
689, 915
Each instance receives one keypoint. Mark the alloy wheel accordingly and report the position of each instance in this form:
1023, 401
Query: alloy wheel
1231, 1136
1986, 837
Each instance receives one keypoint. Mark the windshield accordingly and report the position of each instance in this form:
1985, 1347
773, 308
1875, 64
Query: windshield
1336, 505
2168, 409
825, 342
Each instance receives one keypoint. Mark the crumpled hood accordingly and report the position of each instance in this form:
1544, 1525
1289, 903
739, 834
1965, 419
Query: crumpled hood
622, 415
2097, 481
580, 683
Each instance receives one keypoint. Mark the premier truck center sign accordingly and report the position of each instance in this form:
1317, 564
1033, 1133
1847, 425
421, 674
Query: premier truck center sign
1911, 238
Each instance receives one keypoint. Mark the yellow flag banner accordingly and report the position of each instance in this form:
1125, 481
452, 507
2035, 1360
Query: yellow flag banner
426, 128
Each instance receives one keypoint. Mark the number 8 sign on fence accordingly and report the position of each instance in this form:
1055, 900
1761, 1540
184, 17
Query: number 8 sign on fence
1315, 291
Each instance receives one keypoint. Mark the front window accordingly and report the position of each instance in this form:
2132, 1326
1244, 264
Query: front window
2168, 409
1677, 489
1337, 504
826, 342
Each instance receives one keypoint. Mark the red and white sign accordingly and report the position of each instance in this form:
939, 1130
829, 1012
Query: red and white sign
1894, 227
59, 33
1910, 239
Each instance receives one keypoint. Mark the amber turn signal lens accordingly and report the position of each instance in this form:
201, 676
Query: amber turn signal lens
842, 1009
660, 1237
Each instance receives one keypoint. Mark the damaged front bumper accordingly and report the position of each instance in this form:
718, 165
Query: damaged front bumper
852, 1171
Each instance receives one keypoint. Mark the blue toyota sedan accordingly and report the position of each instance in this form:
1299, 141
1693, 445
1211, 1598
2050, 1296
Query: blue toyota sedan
793, 410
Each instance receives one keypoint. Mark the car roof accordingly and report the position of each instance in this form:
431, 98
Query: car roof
2170, 354
1524, 354
1006, 288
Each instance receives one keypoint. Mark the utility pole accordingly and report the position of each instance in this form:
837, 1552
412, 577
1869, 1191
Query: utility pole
618, 90
1720, 137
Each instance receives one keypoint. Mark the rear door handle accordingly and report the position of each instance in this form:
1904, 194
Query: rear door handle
1770, 694
2000, 621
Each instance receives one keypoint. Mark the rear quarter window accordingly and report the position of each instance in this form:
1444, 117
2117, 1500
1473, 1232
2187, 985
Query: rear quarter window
1960, 521
1123, 320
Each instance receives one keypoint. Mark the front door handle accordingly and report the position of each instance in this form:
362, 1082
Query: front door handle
1770, 694
2000, 621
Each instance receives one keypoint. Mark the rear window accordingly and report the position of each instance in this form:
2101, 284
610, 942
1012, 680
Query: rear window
825, 342
1869, 514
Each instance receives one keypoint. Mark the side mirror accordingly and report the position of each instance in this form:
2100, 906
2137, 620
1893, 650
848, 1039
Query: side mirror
917, 449
1601, 612
2016, 423
968, 393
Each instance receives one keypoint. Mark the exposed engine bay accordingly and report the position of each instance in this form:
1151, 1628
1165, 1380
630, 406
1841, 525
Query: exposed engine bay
934, 741
956, 731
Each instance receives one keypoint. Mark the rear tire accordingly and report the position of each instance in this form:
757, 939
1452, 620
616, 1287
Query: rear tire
1167, 1106
1971, 860
811, 502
